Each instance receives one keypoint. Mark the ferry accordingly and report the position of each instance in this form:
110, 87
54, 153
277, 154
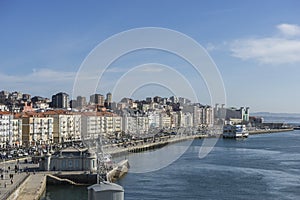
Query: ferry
235, 131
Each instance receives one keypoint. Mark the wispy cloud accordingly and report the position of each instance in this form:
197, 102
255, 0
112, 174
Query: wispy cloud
279, 49
289, 29
39, 81
116, 70
152, 69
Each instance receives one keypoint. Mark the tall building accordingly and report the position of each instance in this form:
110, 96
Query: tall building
109, 98
60, 100
81, 101
97, 99
156, 99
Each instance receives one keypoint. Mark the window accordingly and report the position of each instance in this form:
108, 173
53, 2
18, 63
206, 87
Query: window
70, 163
63, 164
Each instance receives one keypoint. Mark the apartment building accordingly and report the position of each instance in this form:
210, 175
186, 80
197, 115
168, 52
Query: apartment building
10, 130
37, 129
66, 126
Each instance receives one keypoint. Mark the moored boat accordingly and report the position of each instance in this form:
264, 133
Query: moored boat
235, 131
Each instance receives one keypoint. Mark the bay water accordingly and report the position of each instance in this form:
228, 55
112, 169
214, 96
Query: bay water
265, 166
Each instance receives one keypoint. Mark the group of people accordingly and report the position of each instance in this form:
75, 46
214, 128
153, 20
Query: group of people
11, 176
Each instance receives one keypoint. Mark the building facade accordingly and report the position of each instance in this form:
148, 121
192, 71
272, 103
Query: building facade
60, 100
66, 127
37, 129
10, 130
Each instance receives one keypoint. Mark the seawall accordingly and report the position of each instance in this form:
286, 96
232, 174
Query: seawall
269, 131
151, 145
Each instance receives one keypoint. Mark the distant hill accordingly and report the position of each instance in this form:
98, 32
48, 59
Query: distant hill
275, 114
293, 118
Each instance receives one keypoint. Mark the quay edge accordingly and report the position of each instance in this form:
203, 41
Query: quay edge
270, 131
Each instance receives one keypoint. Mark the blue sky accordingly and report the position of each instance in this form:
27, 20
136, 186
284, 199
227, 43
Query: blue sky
255, 45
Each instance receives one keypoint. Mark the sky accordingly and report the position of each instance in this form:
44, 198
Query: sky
254, 44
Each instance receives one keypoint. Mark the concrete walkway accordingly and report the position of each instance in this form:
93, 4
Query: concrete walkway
6, 187
31, 189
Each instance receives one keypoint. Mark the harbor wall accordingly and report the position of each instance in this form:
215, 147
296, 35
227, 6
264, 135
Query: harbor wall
270, 131
149, 146
77, 179
118, 172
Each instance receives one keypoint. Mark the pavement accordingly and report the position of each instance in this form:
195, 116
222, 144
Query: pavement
6, 186
33, 187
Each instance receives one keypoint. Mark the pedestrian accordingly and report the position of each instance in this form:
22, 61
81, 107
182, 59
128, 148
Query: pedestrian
11, 181
5, 185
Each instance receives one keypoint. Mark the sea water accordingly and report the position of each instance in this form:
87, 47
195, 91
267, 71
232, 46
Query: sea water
263, 166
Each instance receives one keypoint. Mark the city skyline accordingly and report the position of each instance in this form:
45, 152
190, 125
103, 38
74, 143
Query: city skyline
254, 44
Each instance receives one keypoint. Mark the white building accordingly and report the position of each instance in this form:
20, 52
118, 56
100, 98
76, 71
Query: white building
66, 127
15, 132
4, 128
165, 121
207, 116
135, 124
185, 119
154, 119
3, 107
93, 124
10, 130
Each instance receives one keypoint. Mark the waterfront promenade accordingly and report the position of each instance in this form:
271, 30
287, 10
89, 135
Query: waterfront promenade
144, 146
7, 187
31, 189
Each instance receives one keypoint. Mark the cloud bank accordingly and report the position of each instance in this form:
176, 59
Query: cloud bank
282, 48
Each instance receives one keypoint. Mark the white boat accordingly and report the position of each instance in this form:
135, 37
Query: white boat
235, 131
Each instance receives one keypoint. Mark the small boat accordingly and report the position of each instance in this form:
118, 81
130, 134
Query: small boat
235, 131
